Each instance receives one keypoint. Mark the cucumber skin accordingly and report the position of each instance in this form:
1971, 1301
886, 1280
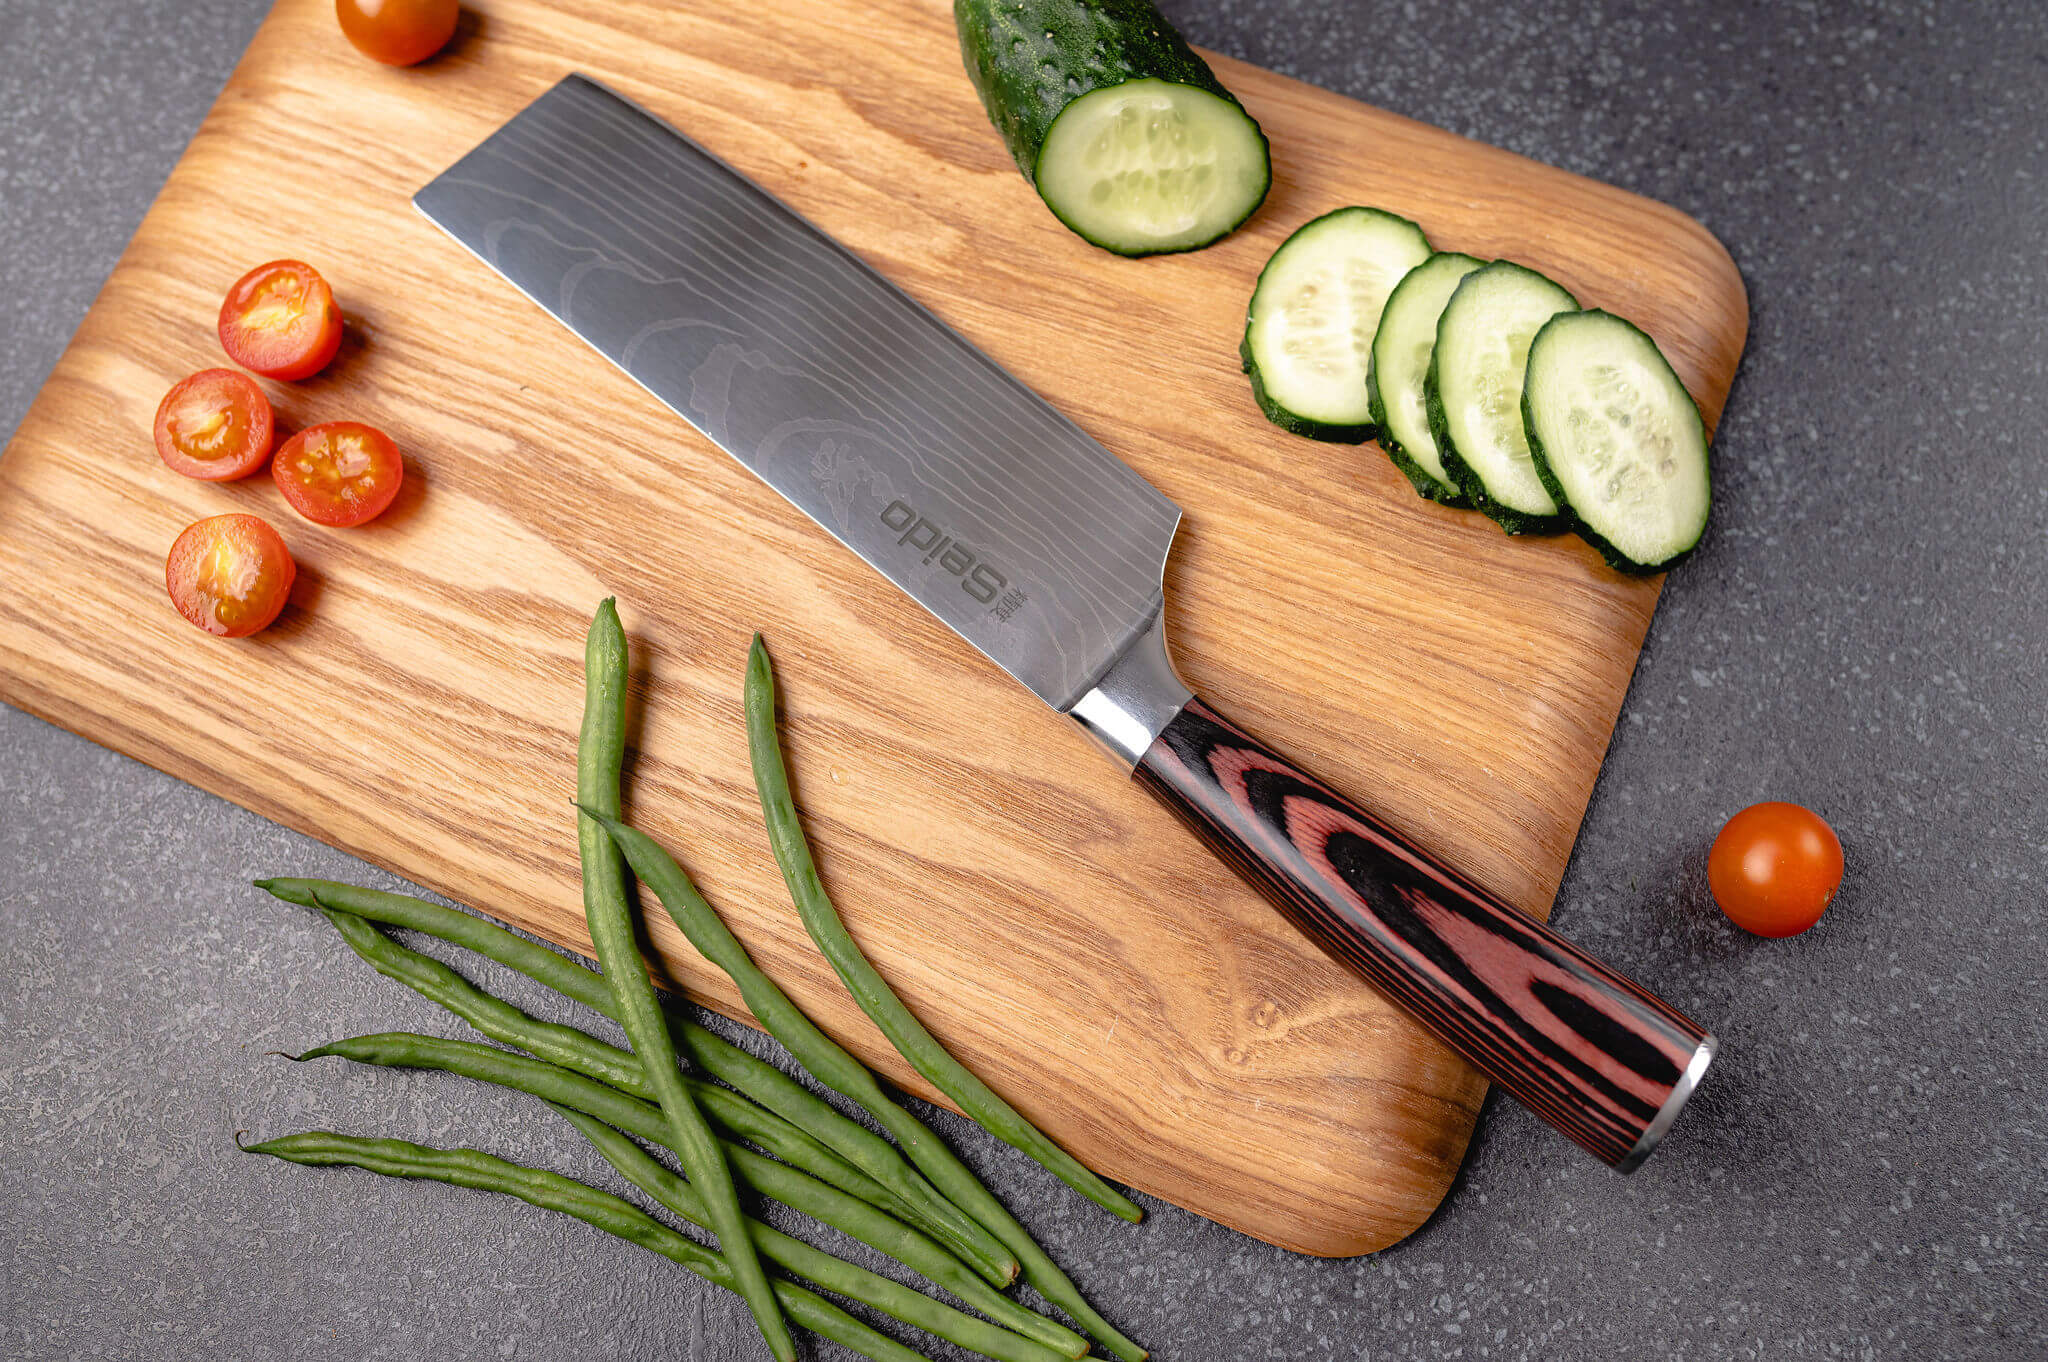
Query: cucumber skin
1616, 559
1070, 48
1024, 89
1510, 520
1425, 486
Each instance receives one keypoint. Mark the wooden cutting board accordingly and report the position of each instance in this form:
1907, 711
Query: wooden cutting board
417, 703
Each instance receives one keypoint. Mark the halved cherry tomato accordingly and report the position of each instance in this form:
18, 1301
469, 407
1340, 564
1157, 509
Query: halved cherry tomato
215, 425
229, 574
279, 320
340, 473
398, 32
1775, 868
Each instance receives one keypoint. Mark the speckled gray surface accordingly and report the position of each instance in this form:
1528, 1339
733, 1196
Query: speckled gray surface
1865, 1175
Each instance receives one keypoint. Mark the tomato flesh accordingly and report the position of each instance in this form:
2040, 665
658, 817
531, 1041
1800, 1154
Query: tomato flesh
1775, 868
229, 574
215, 425
398, 32
279, 320
341, 473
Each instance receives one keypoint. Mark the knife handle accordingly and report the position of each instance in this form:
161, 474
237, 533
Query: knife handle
1588, 1050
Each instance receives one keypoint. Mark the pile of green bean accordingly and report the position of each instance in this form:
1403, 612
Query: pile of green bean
741, 1125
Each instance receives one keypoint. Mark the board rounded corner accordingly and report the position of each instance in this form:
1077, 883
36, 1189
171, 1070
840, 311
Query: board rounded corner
1419, 1211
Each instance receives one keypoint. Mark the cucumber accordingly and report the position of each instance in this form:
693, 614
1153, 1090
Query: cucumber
1616, 440
1474, 392
1401, 352
1309, 330
1126, 134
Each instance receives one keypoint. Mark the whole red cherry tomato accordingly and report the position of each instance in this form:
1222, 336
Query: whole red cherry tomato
1775, 868
398, 32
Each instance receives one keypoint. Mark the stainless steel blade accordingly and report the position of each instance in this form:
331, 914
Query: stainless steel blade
958, 483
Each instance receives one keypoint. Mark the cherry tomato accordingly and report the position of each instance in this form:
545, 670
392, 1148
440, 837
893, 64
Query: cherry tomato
215, 425
341, 473
279, 320
1774, 868
398, 32
229, 574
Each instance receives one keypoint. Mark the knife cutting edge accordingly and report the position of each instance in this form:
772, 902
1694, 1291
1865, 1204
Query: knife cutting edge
1038, 546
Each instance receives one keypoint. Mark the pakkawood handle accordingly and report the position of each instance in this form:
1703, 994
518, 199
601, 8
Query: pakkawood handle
1597, 1056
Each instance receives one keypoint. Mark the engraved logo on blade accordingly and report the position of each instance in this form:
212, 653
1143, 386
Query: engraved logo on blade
978, 579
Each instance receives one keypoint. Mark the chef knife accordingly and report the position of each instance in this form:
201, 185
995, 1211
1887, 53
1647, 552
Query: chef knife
1038, 546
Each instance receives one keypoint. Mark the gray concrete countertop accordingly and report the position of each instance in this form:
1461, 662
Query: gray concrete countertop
1865, 1174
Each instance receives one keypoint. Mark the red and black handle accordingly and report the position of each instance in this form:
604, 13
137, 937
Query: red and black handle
1588, 1050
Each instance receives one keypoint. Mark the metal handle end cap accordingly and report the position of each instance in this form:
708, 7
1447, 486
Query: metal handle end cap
1653, 1133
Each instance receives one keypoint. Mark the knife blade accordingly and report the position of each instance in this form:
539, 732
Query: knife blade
915, 450
1038, 546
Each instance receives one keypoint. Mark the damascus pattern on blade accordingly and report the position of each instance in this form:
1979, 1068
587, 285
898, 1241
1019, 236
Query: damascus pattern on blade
881, 423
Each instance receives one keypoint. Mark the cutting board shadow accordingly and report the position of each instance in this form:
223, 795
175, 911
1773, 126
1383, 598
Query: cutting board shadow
417, 704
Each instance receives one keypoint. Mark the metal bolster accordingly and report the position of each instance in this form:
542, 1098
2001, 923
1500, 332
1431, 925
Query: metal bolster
1683, 1089
1133, 702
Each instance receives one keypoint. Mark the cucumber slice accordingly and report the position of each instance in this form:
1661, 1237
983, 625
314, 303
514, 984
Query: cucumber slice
1148, 167
1401, 351
1128, 136
1308, 333
1474, 392
1617, 440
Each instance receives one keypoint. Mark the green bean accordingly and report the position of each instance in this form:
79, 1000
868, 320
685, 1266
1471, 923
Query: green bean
791, 1186
600, 755
913, 1197
485, 937
585, 1054
573, 1050
837, 1069
915, 1308
551, 1191
864, 981
757, 1078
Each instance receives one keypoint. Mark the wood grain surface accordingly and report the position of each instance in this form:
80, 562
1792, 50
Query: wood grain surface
417, 703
